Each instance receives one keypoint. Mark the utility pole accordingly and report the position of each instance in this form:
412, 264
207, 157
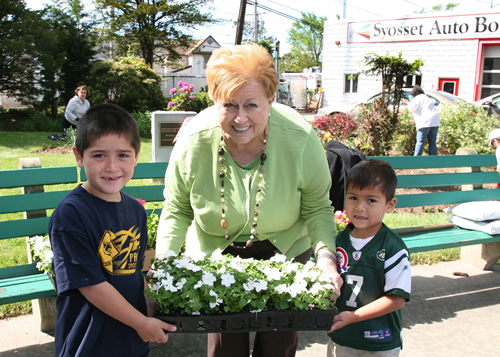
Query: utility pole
255, 23
241, 22
277, 59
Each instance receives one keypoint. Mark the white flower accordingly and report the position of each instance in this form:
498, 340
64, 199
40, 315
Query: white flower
180, 283
168, 283
248, 286
309, 265
169, 253
289, 268
217, 255
197, 257
198, 285
217, 300
297, 288
208, 279
272, 273
278, 258
227, 279
316, 288
237, 265
260, 285
282, 289
186, 264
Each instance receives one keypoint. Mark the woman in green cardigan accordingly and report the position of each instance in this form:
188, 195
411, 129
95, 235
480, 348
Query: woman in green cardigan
250, 177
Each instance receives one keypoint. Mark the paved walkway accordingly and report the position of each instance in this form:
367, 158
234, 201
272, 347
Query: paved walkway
448, 315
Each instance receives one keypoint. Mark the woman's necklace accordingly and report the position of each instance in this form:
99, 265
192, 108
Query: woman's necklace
258, 197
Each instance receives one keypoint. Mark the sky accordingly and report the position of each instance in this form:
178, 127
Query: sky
278, 26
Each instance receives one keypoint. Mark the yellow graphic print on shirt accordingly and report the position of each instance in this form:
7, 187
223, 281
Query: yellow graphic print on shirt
119, 252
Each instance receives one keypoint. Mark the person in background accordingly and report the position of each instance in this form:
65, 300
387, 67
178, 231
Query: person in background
426, 119
77, 106
375, 265
250, 177
98, 235
495, 142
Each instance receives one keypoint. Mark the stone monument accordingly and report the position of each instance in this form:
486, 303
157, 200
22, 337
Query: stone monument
164, 128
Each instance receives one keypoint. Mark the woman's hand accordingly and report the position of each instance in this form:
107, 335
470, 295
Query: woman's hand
326, 261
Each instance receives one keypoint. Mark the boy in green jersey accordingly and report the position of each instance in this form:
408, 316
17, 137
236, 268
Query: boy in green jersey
374, 265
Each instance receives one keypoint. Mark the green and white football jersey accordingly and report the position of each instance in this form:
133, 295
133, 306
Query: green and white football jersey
381, 267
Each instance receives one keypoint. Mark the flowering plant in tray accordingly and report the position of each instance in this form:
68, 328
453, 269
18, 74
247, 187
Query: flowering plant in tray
222, 284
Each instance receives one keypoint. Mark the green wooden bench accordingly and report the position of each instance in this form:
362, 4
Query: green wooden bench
448, 180
35, 203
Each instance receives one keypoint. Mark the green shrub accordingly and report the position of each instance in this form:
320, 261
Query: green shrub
127, 82
201, 101
465, 125
144, 123
405, 135
40, 122
376, 130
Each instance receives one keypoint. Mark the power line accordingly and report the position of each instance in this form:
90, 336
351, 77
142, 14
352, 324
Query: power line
290, 17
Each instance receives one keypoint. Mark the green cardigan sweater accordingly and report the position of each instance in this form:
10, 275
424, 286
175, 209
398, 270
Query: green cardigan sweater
295, 213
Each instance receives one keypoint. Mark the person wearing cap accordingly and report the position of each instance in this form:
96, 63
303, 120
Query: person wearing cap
495, 142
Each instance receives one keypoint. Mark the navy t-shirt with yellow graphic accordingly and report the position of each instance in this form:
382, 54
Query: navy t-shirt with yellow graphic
95, 241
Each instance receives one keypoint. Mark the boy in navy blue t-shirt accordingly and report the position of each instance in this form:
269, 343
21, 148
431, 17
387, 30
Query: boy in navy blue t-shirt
98, 235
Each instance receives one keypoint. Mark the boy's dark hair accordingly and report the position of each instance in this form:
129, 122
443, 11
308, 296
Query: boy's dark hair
371, 173
104, 119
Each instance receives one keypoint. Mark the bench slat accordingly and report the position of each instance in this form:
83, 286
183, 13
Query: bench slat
445, 198
38, 176
24, 227
438, 161
24, 287
31, 202
447, 179
148, 193
445, 238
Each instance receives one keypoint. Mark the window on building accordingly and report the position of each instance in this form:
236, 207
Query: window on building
412, 80
351, 83
205, 61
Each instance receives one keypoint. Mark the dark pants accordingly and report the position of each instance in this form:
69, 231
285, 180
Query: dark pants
267, 343
66, 125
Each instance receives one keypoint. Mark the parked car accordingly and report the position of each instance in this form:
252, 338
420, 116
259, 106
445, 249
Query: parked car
491, 104
437, 96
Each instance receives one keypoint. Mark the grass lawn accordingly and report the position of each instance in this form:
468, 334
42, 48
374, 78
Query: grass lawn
16, 145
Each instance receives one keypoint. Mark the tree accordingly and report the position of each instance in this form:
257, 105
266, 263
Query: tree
17, 47
64, 55
449, 6
306, 39
145, 26
379, 122
127, 82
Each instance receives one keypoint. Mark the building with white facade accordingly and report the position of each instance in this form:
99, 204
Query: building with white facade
461, 54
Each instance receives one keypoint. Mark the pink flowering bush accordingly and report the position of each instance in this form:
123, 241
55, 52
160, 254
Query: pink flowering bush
337, 127
180, 97
341, 220
183, 98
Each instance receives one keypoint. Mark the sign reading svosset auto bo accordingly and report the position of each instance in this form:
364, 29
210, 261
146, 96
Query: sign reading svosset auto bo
424, 29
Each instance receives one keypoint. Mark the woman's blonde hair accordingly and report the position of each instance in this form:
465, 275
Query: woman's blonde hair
232, 67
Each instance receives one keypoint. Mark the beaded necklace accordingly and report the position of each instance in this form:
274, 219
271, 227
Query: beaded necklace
258, 197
